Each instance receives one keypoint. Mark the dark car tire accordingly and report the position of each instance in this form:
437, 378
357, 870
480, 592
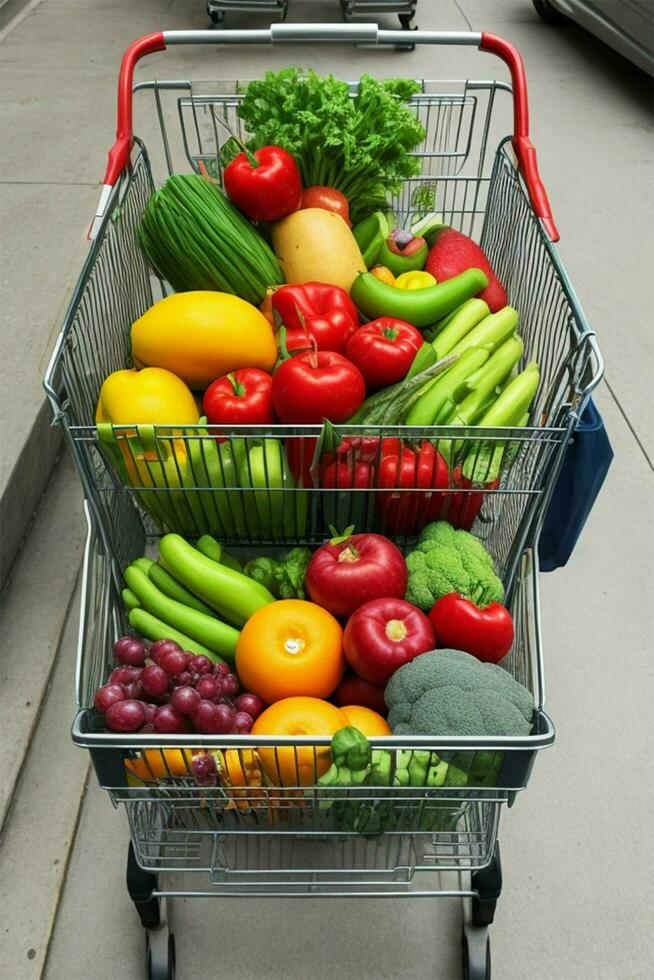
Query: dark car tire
548, 12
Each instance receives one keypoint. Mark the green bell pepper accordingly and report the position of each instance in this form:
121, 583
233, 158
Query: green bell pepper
273, 506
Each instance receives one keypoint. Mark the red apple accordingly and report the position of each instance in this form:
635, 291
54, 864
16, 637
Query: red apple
355, 690
383, 635
346, 572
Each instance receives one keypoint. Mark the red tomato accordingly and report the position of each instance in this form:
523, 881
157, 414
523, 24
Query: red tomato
317, 385
344, 574
354, 690
486, 633
383, 635
327, 198
242, 397
384, 350
266, 185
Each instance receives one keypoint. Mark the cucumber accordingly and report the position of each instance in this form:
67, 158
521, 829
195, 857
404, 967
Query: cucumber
208, 630
153, 629
231, 594
169, 585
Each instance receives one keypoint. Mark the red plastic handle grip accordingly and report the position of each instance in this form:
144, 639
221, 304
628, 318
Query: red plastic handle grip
524, 150
119, 152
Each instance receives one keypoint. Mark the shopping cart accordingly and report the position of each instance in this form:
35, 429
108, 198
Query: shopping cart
405, 9
268, 838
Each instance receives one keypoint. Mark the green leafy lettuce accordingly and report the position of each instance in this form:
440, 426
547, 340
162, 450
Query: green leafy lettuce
359, 145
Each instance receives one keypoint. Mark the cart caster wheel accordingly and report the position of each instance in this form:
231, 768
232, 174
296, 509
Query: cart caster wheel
405, 47
405, 21
160, 954
476, 953
217, 16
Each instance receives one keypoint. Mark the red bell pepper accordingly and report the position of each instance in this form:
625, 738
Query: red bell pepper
318, 310
416, 479
243, 397
265, 185
459, 624
384, 350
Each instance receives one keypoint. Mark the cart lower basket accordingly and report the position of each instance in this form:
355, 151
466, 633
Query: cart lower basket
253, 838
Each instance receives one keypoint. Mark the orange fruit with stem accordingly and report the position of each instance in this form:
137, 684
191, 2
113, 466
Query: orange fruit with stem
297, 765
290, 648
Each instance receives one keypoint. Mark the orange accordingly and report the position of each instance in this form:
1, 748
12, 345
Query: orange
297, 765
242, 767
288, 649
160, 763
368, 722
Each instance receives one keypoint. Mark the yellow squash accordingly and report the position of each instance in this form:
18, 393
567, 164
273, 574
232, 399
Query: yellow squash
202, 335
315, 245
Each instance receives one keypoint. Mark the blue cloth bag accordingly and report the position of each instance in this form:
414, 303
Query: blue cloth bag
585, 465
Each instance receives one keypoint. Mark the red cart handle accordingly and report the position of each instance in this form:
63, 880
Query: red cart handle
351, 33
524, 150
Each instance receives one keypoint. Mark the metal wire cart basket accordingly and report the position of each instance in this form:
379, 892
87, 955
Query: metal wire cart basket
262, 836
246, 836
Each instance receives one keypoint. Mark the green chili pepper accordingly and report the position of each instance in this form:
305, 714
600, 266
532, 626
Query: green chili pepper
370, 234
421, 307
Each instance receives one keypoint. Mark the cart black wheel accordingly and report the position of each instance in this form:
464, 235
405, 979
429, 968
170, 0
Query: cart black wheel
160, 956
548, 12
217, 16
476, 960
405, 19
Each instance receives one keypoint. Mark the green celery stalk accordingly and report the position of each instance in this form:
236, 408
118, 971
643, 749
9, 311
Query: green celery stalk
491, 332
462, 321
511, 406
425, 358
486, 380
444, 390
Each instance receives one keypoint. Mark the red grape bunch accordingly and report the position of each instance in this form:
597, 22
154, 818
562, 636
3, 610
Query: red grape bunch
166, 689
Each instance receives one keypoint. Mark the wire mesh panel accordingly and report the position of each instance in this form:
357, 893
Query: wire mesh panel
171, 838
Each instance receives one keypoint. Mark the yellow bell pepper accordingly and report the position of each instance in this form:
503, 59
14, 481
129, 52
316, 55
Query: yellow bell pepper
147, 398
152, 396
414, 280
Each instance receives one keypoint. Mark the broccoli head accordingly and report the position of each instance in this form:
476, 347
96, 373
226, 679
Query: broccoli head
450, 693
446, 560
